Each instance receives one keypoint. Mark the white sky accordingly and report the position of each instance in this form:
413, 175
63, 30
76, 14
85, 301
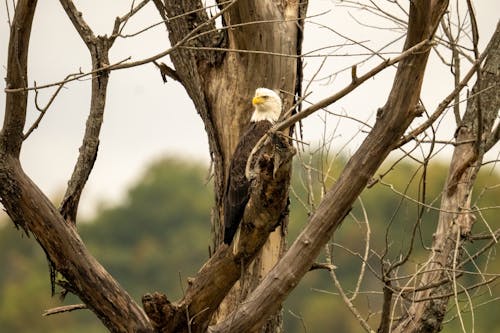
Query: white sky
146, 119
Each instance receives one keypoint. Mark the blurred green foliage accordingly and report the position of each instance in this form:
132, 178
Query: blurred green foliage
159, 235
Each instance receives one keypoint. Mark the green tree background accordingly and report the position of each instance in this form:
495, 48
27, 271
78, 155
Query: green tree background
159, 236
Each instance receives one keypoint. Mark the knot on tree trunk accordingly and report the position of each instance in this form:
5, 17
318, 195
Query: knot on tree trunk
158, 308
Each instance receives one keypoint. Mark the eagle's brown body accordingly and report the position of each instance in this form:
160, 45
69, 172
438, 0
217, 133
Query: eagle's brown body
238, 186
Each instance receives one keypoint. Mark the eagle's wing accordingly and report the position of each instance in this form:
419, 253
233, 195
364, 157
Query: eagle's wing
238, 186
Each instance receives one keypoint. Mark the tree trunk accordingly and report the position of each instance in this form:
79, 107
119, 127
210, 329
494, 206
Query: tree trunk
456, 218
222, 83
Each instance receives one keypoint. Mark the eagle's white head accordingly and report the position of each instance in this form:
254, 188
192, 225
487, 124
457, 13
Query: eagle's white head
267, 105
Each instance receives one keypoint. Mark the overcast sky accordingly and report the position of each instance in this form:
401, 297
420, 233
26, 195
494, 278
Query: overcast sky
146, 119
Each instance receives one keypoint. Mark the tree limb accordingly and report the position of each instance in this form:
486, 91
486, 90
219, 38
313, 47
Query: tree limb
11, 137
420, 47
98, 48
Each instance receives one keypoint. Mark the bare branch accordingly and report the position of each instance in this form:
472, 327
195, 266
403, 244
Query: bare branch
122, 21
79, 23
420, 47
455, 67
446, 101
11, 136
99, 49
8, 12
44, 109
74, 78
62, 309
365, 255
347, 300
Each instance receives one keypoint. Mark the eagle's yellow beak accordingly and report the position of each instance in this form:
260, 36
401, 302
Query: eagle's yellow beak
257, 100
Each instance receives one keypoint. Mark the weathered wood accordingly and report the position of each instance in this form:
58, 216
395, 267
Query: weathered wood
98, 48
11, 137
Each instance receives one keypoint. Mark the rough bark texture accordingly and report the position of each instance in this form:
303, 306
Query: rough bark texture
456, 219
393, 119
17, 76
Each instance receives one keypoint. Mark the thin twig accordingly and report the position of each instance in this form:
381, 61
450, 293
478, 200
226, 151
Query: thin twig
346, 300
44, 109
75, 78
124, 19
172, 18
365, 256
444, 104
454, 277
455, 65
8, 13
62, 309
452, 293
353, 85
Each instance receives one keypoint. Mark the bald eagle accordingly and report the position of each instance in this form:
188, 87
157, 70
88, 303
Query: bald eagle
267, 110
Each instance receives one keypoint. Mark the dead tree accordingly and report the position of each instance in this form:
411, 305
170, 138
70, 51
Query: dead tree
258, 41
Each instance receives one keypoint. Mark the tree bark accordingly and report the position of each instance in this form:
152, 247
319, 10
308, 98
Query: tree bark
456, 217
17, 76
